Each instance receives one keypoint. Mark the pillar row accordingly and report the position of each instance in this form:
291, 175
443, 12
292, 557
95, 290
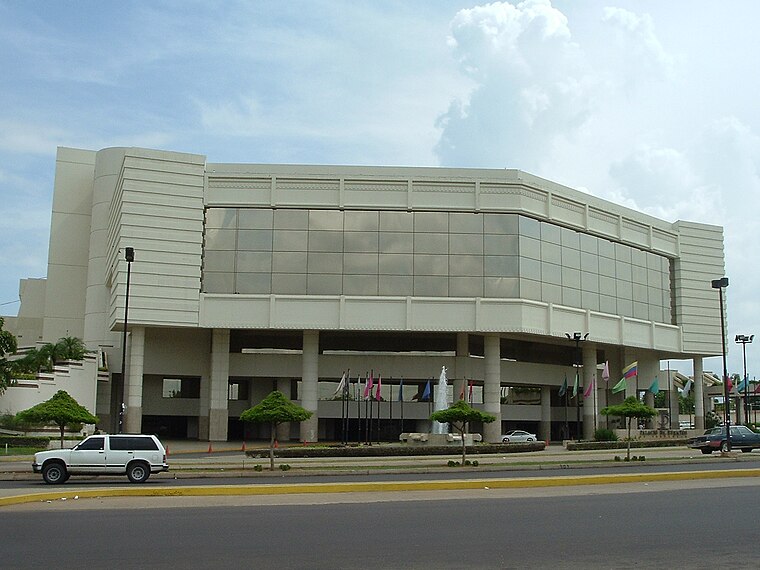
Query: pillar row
492, 387
309, 387
133, 387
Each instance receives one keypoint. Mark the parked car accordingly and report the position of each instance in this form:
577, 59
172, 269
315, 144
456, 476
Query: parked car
715, 439
517, 435
136, 456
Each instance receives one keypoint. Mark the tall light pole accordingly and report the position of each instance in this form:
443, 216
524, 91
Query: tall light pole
720, 284
129, 256
577, 338
744, 340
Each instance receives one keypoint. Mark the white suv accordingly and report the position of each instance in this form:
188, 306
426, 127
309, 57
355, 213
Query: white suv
137, 456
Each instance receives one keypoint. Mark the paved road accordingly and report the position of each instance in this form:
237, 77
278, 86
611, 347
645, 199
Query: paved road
654, 526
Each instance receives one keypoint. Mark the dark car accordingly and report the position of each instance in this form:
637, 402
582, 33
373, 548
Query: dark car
715, 439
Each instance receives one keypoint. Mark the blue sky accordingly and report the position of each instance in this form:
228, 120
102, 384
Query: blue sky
650, 104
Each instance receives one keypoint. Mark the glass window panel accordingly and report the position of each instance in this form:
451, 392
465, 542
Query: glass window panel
589, 244
430, 265
221, 218
254, 261
606, 249
320, 284
551, 253
361, 221
467, 265
325, 263
607, 304
466, 286
571, 297
360, 284
396, 263
641, 310
590, 300
551, 293
606, 285
253, 283
220, 239
638, 275
437, 222
327, 241
623, 270
255, 240
218, 282
571, 258
256, 219
501, 266
571, 278
654, 278
361, 242
624, 290
291, 219
465, 223
640, 293
571, 238
589, 262
625, 307
290, 240
530, 248
427, 286
326, 220
638, 257
502, 287
590, 282
501, 224
219, 261
529, 227
396, 242
606, 267
503, 245
530, 289
289, 262
530, 269
393, 285
622, 252
551, 273
431, 243
396, 222
550, 233
468, 244
289, 284
360, 264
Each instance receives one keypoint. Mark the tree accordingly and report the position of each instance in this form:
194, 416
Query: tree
8, 346
274, 410
61, 410
459, 416
49, 354
630, 408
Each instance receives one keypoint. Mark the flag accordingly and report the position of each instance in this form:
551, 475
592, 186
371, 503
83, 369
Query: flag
631, 370
687, 389
741, 385
563, 388
655, 387
401, 390
606, 371
729, 383
426, 393
575, 384
619, 387
342, 386
379, 385
368, 387
587, 392
471, 383
757, 389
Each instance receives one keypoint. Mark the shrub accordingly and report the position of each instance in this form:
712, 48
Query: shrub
453, 463
604, 434
284, 467
258, 468
617, 458
475, 463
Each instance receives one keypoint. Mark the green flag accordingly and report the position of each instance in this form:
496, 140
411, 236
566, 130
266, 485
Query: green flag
619, 387
563, 389
655, 387
575, 384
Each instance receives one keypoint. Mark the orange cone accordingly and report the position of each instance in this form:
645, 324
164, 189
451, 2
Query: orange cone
243, 448
167, 451
209, 447
276, 445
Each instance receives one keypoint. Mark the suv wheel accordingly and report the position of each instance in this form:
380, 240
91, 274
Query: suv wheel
55, 473
138, 472
724, 447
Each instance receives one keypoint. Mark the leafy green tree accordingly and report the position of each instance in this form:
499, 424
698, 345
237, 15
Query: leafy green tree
8, 347
274, 410
61, 410
630, 409
459, 416
48, 355
70, 348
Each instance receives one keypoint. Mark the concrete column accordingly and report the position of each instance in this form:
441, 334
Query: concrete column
491, 388
699, 394
461, 371
673, 397
589, 377
283, 429
220, 370
133, 388
545, 427
309, 380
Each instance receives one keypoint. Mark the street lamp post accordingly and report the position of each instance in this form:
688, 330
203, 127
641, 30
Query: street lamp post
129, 256
744, 340
577, 338
720, 284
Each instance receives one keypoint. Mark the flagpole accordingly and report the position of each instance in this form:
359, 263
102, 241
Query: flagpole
401, 399
369, 421
593, 393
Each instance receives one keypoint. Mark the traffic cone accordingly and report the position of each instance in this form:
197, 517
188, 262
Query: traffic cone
209, 447
167, 451
276, 445
243, 448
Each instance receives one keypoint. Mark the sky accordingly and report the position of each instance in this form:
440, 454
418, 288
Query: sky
649, 104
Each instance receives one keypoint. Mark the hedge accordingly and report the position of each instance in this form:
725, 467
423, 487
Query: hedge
24, 441
622, 444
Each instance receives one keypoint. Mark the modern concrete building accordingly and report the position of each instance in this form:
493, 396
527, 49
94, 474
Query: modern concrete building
249, 277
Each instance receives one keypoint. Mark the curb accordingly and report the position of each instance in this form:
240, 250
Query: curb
367, 487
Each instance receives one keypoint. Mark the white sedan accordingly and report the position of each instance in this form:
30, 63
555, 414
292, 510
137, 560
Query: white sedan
517, 435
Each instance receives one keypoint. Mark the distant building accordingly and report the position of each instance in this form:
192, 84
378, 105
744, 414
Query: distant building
250, 277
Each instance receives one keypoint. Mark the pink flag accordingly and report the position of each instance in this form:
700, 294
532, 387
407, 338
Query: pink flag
587, 391
606, 371
379, 385
471, 383
368, 387
729, 383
